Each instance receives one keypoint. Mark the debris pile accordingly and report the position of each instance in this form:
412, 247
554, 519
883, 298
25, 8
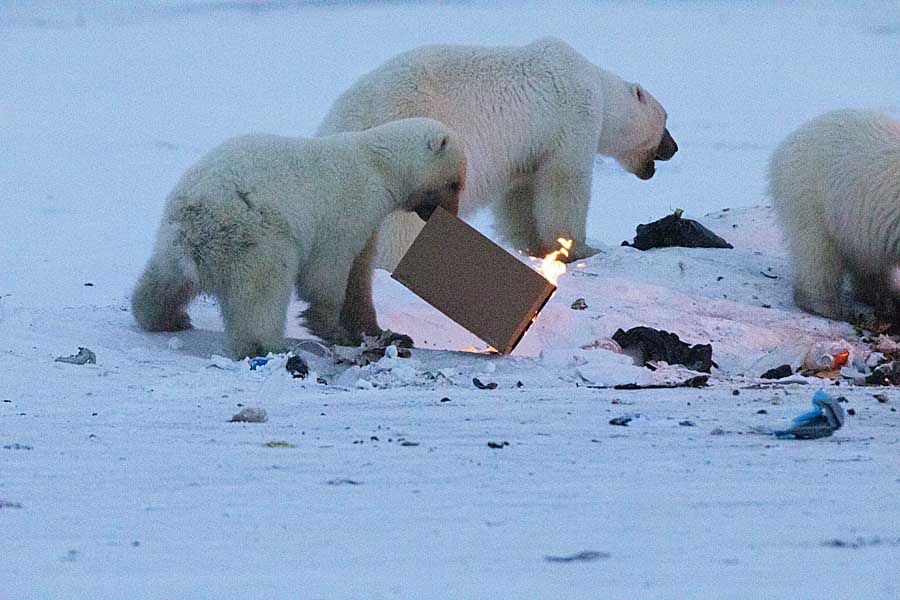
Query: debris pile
674, 230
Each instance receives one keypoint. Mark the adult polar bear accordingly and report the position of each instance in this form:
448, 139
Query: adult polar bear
531, 119
262, 214
835, 183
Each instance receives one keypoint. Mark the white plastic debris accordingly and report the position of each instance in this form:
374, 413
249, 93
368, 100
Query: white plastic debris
250, 415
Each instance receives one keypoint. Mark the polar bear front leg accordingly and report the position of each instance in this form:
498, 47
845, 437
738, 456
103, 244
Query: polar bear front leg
818, 271
323, 284
358, 313
562, 193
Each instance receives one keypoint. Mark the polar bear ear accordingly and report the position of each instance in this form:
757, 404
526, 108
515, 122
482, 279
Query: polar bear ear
438, 144
639, 93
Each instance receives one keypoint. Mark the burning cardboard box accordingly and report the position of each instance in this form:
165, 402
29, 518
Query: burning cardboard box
474, 281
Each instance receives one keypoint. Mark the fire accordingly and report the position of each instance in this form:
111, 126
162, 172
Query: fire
551, 267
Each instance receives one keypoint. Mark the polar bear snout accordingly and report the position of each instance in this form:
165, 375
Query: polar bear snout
667, 147
426, 202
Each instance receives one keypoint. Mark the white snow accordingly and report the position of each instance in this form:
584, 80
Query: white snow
125, 478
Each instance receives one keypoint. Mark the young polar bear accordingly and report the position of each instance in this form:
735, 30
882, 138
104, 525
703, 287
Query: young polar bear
531, 118
262, 214
836, 189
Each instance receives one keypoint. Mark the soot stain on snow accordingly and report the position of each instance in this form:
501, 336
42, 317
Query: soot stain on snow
583, 556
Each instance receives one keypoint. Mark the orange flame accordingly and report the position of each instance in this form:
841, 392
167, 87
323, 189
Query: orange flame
551, 267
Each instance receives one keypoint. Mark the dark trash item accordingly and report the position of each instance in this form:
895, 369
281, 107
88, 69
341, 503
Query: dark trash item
686, 423
621, 421
693, 382
886, 374
778, 372
584, 556
297, 367
84, 357
674, 230
497, 445
646, 344
483, 386
8, 504
826, 417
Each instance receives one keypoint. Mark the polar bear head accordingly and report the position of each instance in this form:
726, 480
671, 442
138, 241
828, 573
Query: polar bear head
634, 130
434, 169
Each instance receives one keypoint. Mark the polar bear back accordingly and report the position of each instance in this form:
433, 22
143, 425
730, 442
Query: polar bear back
508, 104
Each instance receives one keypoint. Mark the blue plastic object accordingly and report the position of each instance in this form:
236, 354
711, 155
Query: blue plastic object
257, 362
826, 417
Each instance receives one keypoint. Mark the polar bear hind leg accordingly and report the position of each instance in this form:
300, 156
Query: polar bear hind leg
164, 291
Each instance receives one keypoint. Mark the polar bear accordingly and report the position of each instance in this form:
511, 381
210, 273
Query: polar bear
531, 118
835, 183
262, 214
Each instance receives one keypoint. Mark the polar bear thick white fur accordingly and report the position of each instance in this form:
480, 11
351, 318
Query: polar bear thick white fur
531, 118
261, 215
835, 183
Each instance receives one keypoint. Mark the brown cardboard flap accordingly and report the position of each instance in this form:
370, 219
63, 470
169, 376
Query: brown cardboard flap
473, 281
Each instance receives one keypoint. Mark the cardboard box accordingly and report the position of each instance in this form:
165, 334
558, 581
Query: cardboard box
473, 281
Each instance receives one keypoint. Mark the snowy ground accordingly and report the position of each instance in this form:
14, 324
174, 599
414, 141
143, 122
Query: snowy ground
125, 478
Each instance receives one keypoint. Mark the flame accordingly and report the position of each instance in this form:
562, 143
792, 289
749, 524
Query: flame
551, 267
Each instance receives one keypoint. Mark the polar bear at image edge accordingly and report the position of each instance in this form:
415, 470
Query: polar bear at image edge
835, 185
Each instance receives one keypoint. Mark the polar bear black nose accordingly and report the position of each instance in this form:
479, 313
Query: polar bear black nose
667, 147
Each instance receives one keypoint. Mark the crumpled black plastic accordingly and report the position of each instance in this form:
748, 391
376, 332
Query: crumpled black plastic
646, 344
674, 230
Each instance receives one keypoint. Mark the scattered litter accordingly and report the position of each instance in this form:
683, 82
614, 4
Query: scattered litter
579, 304
621, 421
604, 344
717, 431
693, 382
673, 230
84, 357
497, 445
886, 374
826, 360
297, 367
645, 344
279, 444
222, 362
886, 345
313, 347
826, 417
8, 504
408, 443
445, 399
17, 446
778, 372
583, 556
250, 415
882, 398
484, 386
343, 482
769, 275
686, 423
374, 348
363, 384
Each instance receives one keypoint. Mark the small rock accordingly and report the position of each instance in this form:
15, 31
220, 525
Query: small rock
620, 421
851, 412
250, 415
84, 357
279, 444
408, 443
882, 398
445, 399
686, 423
579, 304
762, 411
497, 445
343, 482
